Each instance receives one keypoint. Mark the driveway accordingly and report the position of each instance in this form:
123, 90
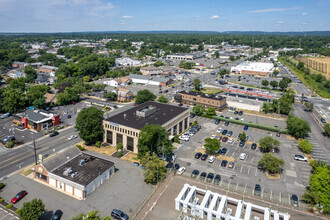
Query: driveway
124, 191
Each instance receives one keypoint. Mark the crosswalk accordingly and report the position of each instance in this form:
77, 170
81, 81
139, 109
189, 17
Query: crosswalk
318, 152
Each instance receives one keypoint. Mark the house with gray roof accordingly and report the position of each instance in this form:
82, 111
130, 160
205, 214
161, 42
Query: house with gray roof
150, 80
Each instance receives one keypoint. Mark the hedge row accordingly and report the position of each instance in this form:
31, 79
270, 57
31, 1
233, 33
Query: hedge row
253, 125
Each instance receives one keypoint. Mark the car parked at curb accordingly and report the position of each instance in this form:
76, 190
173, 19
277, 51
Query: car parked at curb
18, 196
181, 170
194, 173
300, 157
202, 176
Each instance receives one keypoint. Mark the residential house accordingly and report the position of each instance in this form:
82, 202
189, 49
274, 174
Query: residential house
47, 69
15, 74
123, 94
148, 80
20, 65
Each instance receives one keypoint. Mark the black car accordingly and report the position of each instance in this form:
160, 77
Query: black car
294, 200
69, 116
278, 134
204, 157
57, 215
227, 123
194, 173
192, 115
198, 155
217, 121
217, 179
202, 176
54, 133
176, 166
242, 143
224, 132
254, 146
224, 163
240, 113
236, 112
237, 119
323, 120
210, 177
257, 190
169, 165
117, 214
223, 151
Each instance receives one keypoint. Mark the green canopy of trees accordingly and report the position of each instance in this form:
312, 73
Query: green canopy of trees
305, 146
143, 96
212, 145
198, 110
92, 215
268, 144
271, 163
210, 111
31, 210
327, 129
162, 99
89, 124
197, 84
30, 74
297, 127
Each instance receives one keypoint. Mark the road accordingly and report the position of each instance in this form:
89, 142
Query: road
12, 160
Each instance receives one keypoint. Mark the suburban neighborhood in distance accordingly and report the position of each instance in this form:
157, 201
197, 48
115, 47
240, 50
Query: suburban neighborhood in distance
164, 121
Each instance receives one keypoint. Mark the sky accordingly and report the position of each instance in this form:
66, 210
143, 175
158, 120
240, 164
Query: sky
162, 15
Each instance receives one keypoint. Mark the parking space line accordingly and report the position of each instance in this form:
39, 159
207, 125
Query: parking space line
249, 170
237, 185
245, 188
252, 159
256, 172
241, 169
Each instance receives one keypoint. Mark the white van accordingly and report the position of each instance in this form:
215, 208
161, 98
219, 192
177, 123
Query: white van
211, 159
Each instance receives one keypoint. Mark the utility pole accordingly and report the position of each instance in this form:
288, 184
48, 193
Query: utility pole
35, 150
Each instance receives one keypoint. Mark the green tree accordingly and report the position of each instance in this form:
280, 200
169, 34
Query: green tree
283, 84
86, 78
36, 95
198, 110
318, 163
327, 129
162, 99
154, 169
200, 47
212, 145
266, 107
243, 136
274, 84
305, 146
309, 106
17, 84
300, 66
271, 163
210, 111
265, 83
223, 72
92, 215
268, 144
297, 127
14, 100
32, 210
197, 84
216, 54
112, 96
143, 96
119, 148
182, 62
30, 74
275, 72
154, 139
232, 58
89, 125
159, 63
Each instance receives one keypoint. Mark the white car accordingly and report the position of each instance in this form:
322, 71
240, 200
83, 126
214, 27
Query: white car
230, 141
213, 136
203, 147
211, 159
184, 138
242, 119
71, 137
242, 156
219, 130
181, 170
300, 157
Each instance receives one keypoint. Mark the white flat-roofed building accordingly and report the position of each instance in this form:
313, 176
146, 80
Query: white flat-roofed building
253, 68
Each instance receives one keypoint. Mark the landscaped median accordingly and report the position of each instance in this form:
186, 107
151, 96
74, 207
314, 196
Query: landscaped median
253, 125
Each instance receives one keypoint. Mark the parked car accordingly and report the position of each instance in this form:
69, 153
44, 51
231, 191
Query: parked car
224, 132
213, 136
5, 115
211, 159
176, 166
184, 138
217, 179
246, 127
230, 133
192, 115
240, 113
169, 165
181, 170
54, 133
242, 143
117, 214
9, 138
300, 157
209, 177
57, 215
198, 155
254, 146
18, 196
323, 120
204, 157
231, 164
223, 151
202, 176
278, 134
217, 121
242, 156
219, 130
227, 123
136, 164
71, 137
194, 173
224, 139
236, 112
257, 190
224, 163
294, 200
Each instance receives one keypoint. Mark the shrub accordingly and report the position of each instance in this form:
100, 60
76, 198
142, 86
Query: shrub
17, 211
1, 200
2, 185
10, 144
194, 123
9, 206
120, 149
176, 139
305, 146
98, 144
80, 147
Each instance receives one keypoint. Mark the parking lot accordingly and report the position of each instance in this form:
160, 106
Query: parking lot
245, 174
5, 215
125, 191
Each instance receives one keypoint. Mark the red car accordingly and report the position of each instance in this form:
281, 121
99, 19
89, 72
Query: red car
224, 139
19, 196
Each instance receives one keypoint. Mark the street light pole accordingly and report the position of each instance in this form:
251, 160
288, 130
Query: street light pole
35, 150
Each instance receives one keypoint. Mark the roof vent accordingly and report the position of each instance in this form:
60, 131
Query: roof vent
74, 174
82, 162
67, 171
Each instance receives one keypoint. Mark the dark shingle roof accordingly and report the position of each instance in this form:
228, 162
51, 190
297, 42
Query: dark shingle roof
34, 116
164, 113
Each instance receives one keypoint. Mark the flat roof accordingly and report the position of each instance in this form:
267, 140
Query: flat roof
163, 114
86, 173
203, 95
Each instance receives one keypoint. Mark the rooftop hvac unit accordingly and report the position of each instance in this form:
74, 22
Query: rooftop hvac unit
82, 162
67, 171
74, 174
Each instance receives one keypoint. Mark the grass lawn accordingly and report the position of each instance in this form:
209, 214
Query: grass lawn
210, 90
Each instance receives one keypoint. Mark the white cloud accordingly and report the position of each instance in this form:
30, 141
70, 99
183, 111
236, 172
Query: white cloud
214, 17
304, 23
274, 10
280, 22
304, 14
127, 16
